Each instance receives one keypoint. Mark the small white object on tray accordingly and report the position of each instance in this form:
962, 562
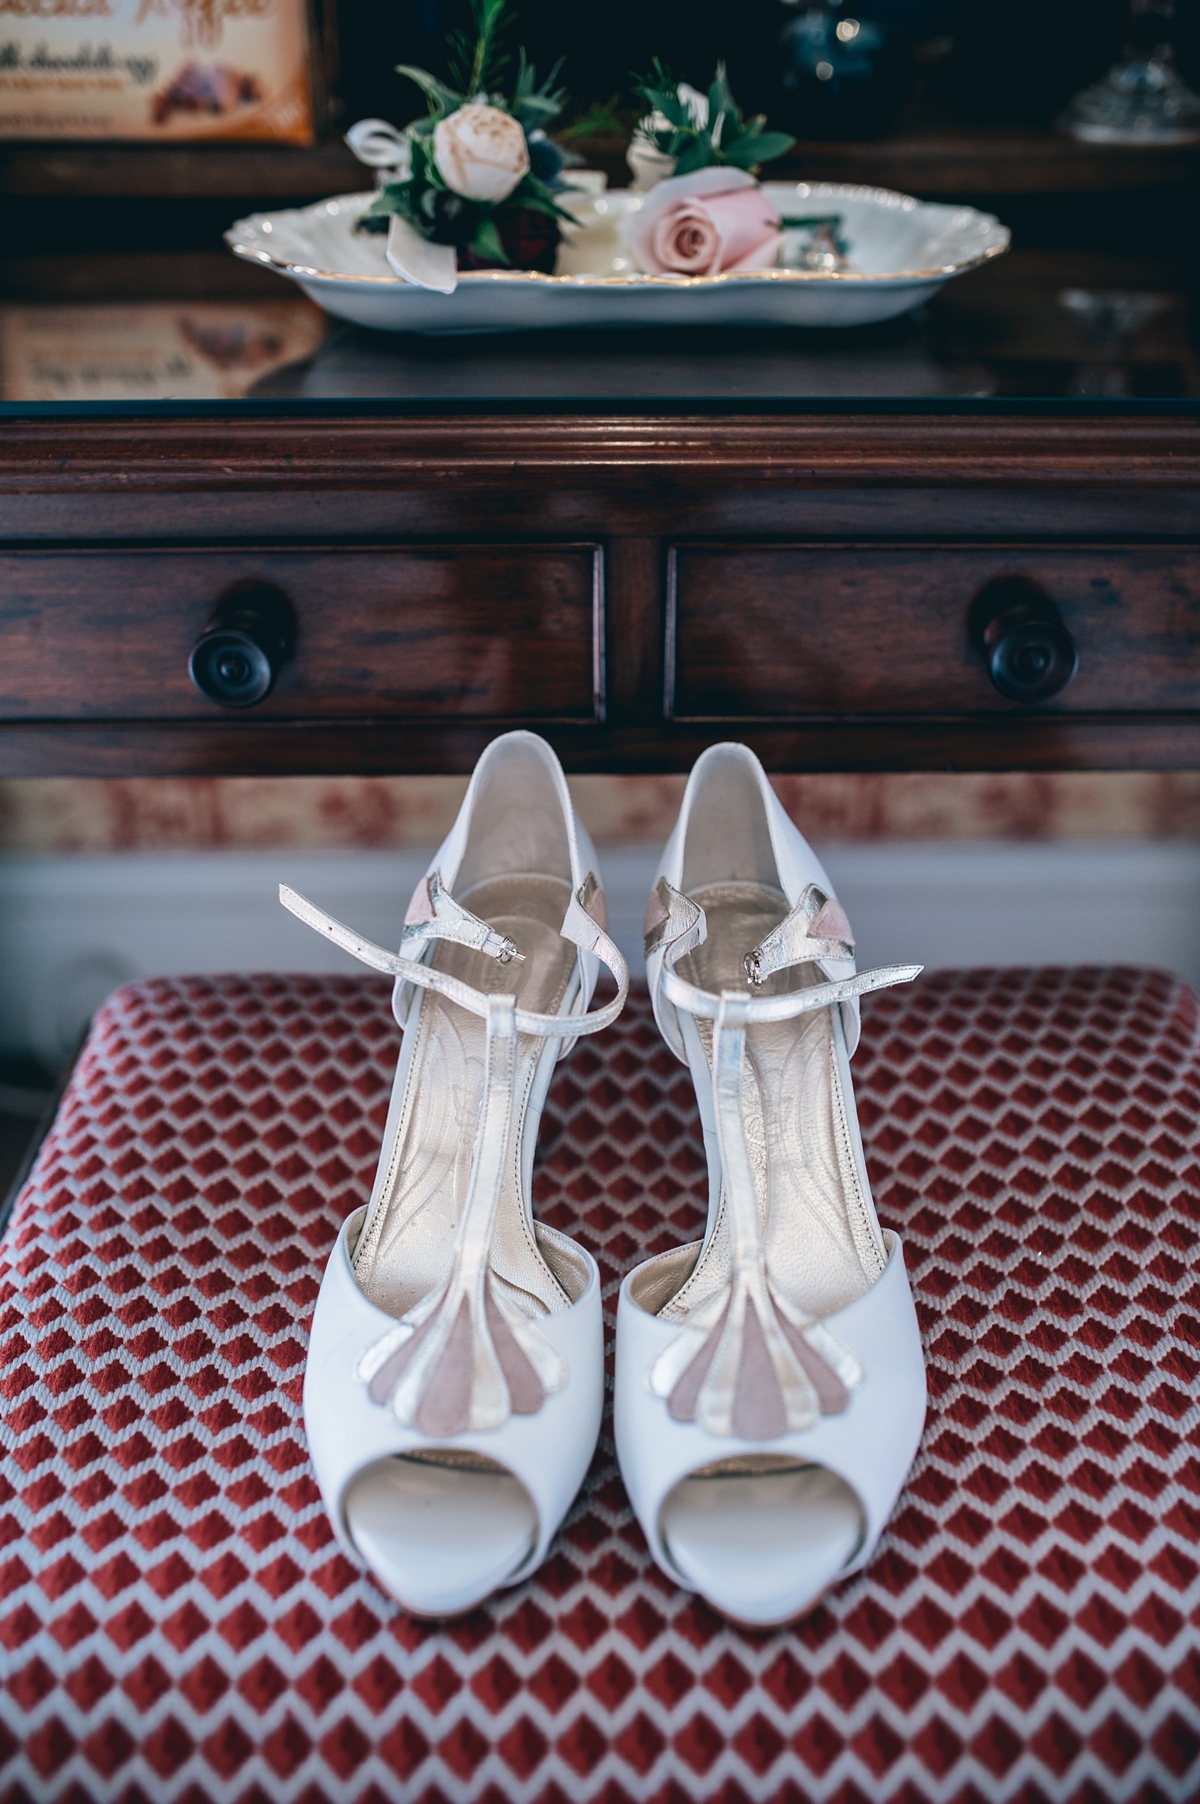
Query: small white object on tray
899, 252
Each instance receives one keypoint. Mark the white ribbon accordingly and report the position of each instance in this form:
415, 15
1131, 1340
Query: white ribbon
380, 146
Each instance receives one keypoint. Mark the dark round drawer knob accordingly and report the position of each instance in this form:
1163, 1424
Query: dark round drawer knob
1018, 631
238, 656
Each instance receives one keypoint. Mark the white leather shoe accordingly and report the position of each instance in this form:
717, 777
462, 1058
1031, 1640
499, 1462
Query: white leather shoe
770, 1390
454, 1383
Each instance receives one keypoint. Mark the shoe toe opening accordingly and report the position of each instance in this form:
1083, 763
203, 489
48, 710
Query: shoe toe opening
762, 1538
441, 1530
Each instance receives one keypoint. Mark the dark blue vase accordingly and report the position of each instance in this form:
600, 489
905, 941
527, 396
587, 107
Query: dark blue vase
842, 74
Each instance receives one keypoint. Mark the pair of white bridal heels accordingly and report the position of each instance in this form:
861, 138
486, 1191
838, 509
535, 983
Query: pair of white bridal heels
770, 1390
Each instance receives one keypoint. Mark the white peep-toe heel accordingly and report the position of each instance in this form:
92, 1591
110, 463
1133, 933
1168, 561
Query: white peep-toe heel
453, 1390
770, 1389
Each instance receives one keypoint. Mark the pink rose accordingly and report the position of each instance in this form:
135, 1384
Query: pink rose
698, 224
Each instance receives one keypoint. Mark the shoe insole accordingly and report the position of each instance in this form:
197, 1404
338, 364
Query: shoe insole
822, 1242
762, 1546
405, 1248
440, 1534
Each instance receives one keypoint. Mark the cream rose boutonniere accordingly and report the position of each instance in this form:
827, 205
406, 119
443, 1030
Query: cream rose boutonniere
480, 185
480, 152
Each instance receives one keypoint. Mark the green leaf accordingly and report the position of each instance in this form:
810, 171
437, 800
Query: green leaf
741, 154
425, 172
773, 144
475, 60
535, 111
601, 119
696, 155
749, 150
672, 108
442, 100
490, 17
458, 58
526, 85
532, 193
724, 114
397, 197
548, 86
659, 77
530, 204
720, 100
725, 125
486, 242
660, 91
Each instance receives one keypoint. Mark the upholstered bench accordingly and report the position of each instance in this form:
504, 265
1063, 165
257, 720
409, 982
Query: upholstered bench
177, 1625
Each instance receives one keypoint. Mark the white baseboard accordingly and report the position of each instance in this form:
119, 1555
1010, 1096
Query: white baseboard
72, 928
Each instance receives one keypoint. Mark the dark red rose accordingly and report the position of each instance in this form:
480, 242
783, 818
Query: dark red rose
530, 240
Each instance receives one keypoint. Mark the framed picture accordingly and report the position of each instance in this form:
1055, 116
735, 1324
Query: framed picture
164, 71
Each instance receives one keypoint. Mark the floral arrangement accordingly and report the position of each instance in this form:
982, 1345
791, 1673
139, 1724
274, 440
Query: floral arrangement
694, 156
482, 177
478, 184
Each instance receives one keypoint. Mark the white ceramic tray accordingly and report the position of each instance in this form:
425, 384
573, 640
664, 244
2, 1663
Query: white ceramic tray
900, 252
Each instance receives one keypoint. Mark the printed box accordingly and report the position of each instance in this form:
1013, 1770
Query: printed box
159, 70
158, 351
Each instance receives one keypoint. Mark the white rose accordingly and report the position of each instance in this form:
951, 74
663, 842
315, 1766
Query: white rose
480, 152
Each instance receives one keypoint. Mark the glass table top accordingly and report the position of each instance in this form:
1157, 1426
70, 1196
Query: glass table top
1070, 329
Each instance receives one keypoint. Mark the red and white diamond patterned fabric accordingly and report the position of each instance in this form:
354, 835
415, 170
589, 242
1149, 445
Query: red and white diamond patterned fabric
177, 1626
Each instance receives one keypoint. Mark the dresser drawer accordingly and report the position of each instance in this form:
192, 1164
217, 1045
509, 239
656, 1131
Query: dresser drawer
432, 632
757, 632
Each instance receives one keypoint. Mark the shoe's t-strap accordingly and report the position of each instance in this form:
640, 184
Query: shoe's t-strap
433, 914
749, 1363
464, 1359
817, 928
581, 925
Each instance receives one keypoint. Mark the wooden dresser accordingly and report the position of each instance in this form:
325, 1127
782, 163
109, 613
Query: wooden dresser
819, 543
632, 583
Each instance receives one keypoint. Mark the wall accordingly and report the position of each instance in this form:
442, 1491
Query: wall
103, 881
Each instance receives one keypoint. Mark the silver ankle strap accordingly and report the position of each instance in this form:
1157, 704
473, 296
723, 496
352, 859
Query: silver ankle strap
817, 928
579, 926
433, 914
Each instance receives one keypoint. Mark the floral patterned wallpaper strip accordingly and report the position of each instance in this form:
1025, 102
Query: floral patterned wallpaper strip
58, 814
